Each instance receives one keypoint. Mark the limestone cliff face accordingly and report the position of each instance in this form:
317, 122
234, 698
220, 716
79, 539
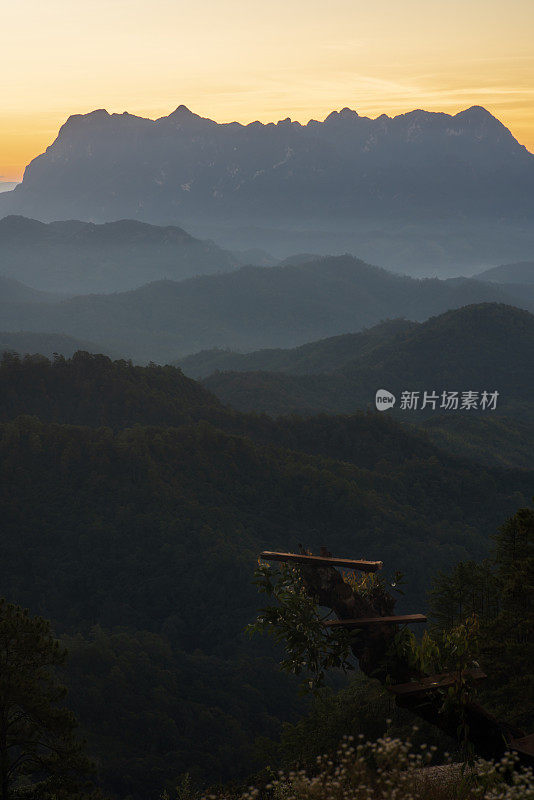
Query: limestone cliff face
183, 167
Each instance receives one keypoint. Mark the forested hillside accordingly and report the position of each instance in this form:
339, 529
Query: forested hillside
139, 542
488, 346
323, 356
93, 390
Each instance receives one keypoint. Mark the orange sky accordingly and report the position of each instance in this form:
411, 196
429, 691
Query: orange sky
246, 60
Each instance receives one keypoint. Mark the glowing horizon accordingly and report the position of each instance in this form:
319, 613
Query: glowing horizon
288, 59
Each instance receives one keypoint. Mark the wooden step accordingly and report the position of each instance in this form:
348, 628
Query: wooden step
322, 561
364, 621
435, 682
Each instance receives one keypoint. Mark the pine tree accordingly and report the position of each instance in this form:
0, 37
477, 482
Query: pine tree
39, 754
500, 592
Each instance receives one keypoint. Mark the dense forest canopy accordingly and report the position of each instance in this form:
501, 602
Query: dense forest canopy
475, 347
127, 491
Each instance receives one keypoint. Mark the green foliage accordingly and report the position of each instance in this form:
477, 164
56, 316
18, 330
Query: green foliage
501, 592
39, 755
150, 534
93, 390
296, 623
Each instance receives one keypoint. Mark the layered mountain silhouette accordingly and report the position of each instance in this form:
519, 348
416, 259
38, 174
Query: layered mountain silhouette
479, 347
414, 175
13, 291
79, 257
128, 491
323, 356
252, 308
522, 272
45, 344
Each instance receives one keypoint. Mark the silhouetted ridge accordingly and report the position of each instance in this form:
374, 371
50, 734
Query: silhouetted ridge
253, 307
81, 257
521, 272
435, 172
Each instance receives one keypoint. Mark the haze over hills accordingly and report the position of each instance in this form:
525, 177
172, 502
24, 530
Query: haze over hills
522, 272
79, 257
449, 190
479, 347
250, 308
13, 291
46, 344
323, 356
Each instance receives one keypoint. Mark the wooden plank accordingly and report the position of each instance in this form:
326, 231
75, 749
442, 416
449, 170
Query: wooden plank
364, 621
434, 682
524, 745
322, 561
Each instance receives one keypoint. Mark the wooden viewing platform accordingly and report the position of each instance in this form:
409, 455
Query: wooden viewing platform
363, 621
435, 682
491, 737
322, 561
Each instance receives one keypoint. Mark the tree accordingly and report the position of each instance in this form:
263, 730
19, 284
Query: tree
385, 652
39, 755
501, 592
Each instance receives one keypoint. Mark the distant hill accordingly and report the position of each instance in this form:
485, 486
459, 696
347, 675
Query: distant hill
251, 308
326, 355
522, 272
478, 347
13, 291
45, 344
420, 189
80, 257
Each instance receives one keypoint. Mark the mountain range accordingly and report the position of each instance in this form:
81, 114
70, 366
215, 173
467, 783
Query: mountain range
522, 272
13, 291
458, 188
252, 307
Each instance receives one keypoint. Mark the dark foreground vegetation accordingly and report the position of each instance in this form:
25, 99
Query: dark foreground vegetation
134, 506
